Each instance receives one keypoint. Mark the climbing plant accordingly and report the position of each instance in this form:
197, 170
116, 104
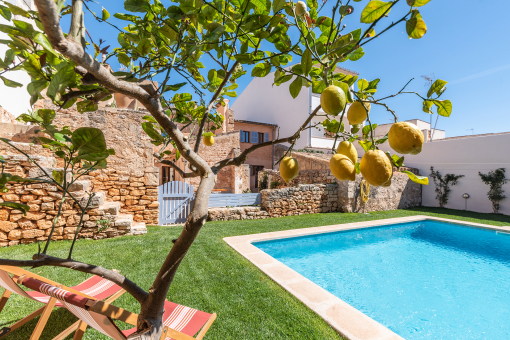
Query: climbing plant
443, 185
495, 180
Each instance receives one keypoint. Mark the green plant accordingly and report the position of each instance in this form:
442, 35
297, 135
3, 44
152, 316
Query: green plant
275, 184
443, 185
205, 46
103, 224
495, 180
309, 150
263, 182
246, 191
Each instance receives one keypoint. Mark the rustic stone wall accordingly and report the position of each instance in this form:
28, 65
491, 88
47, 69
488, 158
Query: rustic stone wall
304, 199
239, 213
43, 199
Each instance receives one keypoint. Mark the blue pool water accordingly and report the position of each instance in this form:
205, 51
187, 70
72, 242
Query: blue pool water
422, 280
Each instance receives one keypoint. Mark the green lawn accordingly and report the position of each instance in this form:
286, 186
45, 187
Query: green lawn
213, 277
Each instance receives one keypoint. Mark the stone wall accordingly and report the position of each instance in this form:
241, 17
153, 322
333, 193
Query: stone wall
43, 200
239, 213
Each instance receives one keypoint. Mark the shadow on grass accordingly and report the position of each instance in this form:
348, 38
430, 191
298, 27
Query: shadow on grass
463, 214
60, 319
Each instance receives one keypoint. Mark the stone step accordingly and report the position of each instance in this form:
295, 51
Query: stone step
110, 208
97, 201
124, 221
138, 228
80, 186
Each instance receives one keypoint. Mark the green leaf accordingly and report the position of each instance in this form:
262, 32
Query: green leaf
374, 10
137, 5
152, 133
62, 79
261, 70
10, 83
41, 39
6, 12
437, 87
365, 145
345, 88
397, 161
295, 87
373, 85
417, 3
318, 86
232, 94
278, 5
17, 10
444, 107
416, 27
427, 105
58, 176
144, 47
47, 115
417, 179
17, 206
124, 59
306, 61
381, 140
358, 170
366, 128
87, 106
356, 55
105, 14
173, 87
88, 140
362, 85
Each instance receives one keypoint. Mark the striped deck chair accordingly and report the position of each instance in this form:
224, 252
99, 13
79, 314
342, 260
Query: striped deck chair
181, 322
95, 288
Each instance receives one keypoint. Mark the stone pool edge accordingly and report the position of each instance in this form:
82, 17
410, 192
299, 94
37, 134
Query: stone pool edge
345, 319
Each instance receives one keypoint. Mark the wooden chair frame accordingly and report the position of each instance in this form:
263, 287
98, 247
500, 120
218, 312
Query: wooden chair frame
46, 310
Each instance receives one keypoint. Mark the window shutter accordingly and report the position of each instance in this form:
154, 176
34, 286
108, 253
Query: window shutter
267, 137
242, 137
254, 137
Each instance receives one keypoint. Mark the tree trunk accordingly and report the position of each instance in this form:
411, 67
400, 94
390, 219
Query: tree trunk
150, 323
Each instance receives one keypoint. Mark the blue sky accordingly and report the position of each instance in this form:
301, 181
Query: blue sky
466, 45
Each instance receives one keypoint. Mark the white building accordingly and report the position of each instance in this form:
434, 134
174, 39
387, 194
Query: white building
14, 100
264, 103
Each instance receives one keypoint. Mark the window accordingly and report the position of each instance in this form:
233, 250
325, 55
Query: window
261, 137
245, 136
267, 137
254, 137
167, 174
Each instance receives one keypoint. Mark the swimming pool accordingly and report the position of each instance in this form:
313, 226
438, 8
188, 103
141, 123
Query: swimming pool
423, 279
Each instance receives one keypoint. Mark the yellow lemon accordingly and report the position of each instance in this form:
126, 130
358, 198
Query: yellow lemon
405, 138
342, 167
289, 169
357, 113
347, 149
300, 8
333, 100
208, 140
376, 168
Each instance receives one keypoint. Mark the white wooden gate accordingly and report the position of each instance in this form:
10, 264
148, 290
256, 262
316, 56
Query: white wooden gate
175, 202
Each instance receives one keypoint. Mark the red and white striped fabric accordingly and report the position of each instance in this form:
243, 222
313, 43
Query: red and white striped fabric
76, 304
95, 287
7, 282
181, 318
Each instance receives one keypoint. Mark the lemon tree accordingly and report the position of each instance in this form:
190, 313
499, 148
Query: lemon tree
182, 59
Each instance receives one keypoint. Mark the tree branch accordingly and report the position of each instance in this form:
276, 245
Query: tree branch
77, 29
242, 157
175, 167
211, 104
46, 260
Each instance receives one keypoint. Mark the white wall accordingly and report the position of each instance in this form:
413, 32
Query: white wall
14, 100
465, 156
265, 103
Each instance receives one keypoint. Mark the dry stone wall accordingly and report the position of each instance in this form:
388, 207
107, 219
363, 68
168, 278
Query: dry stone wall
43, 200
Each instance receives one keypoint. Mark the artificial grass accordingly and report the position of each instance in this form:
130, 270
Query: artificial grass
213, 277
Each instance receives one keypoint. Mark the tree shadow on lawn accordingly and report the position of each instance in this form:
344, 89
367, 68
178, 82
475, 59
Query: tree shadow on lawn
60, 319
497, 219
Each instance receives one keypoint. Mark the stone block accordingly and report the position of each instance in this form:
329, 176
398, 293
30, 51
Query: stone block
80, 186
6, 226
31, 233
44, 224
14, 234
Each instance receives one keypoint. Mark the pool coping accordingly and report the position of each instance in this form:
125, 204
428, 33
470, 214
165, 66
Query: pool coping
345, 319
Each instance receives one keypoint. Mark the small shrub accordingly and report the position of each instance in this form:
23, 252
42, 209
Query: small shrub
247, 191
102, 225
263, 182
443, 185
275, 184
495, 180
